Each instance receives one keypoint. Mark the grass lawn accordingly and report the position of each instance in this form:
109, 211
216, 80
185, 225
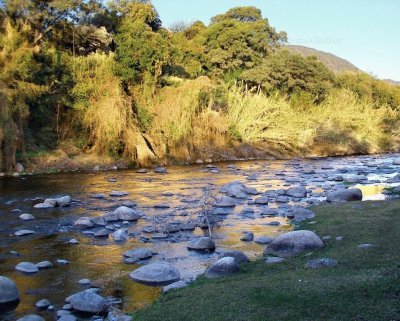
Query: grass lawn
365, 285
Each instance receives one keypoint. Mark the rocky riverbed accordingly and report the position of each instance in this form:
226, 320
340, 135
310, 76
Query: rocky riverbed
62, 234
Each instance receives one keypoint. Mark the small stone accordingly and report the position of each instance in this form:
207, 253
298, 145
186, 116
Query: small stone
43, 206
73, 241
26, 217
365, 246
44, 265
120, 235
247, 237
84, 282
263, 240
67, 306
274, 260
62, 262
61, 313
238, 256
31, 317
204, 243
319, 263
42, 304
102, 233
98, 196
339, 238
24, 232
118, 194
83, 223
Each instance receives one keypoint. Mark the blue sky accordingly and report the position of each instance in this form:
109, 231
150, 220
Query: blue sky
365, 32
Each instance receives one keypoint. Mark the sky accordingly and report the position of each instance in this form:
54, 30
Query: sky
365, 32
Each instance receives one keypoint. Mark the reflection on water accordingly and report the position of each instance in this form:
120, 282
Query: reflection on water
101, 260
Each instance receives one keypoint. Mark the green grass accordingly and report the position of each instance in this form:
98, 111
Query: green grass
365, 285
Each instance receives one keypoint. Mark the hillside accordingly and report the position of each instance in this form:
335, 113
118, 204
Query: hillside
333, 62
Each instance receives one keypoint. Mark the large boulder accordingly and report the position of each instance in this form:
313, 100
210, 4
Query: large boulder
235, 189
223, 267
88, 302
298, 192
347, 195
294, 243
8, 290
156, 274
125, 213
204, 244
300, 214
136, 255
238, 256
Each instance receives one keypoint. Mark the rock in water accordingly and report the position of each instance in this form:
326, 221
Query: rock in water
347, 195
83, 223
24, 232
125, 213
294, 243
88, 302
156, 274
138, 254
238, 256
298, 192
8, 290
27, 267
205, 244
223, 267
120, 235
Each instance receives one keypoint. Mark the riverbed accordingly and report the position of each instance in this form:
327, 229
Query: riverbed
174, 197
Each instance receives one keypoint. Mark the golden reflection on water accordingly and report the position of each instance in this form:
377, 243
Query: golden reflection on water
372, 192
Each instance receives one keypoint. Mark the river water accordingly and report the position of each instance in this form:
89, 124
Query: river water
182, 188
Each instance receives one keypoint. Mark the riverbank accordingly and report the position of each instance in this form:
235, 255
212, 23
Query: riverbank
365, 284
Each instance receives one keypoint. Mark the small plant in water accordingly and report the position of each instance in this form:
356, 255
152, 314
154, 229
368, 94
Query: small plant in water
206, 208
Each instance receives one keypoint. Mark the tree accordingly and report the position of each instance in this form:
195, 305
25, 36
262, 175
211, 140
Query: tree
291, 74
239, 39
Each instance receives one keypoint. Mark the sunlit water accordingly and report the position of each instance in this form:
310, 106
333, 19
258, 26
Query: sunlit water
101, 260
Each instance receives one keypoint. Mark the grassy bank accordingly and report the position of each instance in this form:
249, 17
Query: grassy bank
365, 285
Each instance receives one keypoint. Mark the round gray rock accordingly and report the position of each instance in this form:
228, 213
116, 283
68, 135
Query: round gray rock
138, 254
125, 213
83, 223
204, 243
293, 243
156, 274
300, 214
223, 267
88, 302
8, 290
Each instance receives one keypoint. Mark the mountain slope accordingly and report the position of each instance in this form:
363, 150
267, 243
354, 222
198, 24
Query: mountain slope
335, 63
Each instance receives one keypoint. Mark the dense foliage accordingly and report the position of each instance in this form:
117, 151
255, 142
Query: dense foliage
111, 80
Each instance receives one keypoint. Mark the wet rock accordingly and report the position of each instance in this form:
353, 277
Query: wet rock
24, 232
31, 317
159, 236
222, 211
274, 260
187, 227
67, 307
118, 194
43, 206
247, 237
294, 243
238, 256
347, 195
27, 267
83, 223
63, 201
73, 242
319, 263
120, 235
125, 213
62, 262
142, 171
300, 214
85, 282
44, 265
161, 206
298, 192
203, 244
156, 274
42, 304
118, 316
251, 191
110, 217
129, 204
26, 217
102, 233
234, 189
148, 229
98, 220
98, 196
8, 291
223, 267
61, 313
175, 285
225, 201
160, 170
136, 255
88, 302
263, 240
